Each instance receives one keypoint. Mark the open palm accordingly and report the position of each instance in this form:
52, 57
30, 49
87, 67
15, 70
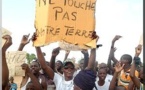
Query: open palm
118, 67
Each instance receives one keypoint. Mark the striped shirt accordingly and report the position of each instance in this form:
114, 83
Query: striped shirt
124, 78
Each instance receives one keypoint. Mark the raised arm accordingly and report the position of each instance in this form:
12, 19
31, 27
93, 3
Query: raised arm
111, 55
133, 67
42, 61
86, 58
24, 42
66, 54
118, 69
117, 37
91, 62
34, 80
5, 71
55, 52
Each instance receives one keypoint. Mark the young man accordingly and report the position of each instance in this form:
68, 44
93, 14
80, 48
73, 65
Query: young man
102, 84
108, 77
31, 73
35, 85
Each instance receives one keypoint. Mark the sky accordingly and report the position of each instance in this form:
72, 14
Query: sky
113, 17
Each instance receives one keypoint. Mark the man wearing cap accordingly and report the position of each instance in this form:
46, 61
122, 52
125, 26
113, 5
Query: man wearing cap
62, 82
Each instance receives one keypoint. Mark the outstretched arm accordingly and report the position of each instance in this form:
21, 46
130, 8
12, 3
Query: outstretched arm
117, 37
66, 54
42, 61
24, 42
132, 71
43, 64
86, 58
111, 55
5, 71
55, 52
91, 62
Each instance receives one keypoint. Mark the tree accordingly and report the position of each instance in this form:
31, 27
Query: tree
30, 57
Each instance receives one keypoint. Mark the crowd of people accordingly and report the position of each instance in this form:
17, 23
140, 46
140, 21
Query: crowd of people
123, 74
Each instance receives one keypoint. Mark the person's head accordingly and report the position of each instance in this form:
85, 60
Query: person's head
120, 88
30, 86
58, 65
68, 68
81, 63
35, 67
85, 80
11, 79
102, 73
103, 65
126, 59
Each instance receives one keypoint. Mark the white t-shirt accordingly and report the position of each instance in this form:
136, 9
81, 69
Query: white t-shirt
61, 84
104, 87
107, 79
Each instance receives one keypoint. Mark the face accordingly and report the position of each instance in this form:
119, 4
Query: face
30, 86
58, 65
35, 68
102, 74
68, 70
125, 62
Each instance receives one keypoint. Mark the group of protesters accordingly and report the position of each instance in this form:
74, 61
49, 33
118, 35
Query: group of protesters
123, 74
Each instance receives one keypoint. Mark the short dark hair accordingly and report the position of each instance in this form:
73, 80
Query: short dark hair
127, 57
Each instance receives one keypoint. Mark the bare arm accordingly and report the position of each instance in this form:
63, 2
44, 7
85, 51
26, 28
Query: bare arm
34, 80
117, 37
112, 50
66, 55
42, 61
134, 79
133, 67
118, 68
113, 81
55, 52
24, 41
92, 59
86, 58
43, 64
5, 71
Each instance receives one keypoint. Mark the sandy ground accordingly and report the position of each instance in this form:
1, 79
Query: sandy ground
18, 79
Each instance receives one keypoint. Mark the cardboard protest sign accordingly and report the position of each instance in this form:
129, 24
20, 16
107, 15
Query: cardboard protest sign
72, 21
14, 60
4, 32
141, 40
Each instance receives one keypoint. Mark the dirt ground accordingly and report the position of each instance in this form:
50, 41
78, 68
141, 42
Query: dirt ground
17, 80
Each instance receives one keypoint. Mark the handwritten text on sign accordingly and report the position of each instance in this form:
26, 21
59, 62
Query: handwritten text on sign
14, 60
70, 20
